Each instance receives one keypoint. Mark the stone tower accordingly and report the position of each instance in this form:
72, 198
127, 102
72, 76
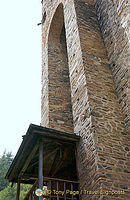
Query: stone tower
85, 87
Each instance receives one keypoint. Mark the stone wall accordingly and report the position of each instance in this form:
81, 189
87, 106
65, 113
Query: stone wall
113, 17
58, 84
60, 109
105, 143
102, 155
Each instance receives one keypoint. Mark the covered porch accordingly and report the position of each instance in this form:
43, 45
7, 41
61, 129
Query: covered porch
46, 157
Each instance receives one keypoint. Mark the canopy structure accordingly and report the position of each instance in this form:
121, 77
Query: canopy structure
44, 152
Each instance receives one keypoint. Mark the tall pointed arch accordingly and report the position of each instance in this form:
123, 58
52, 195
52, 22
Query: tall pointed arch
60, 109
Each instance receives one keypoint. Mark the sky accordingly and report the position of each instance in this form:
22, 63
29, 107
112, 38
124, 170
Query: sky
20, 70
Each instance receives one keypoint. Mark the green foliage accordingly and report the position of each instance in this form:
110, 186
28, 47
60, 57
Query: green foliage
6, 191
5, 162
23, 190
10, 193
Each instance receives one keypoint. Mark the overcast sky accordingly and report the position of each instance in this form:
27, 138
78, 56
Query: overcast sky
20, 70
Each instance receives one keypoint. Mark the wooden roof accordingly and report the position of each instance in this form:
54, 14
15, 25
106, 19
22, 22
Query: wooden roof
58, 160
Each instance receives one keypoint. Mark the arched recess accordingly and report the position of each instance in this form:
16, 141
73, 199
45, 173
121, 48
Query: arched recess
60, 109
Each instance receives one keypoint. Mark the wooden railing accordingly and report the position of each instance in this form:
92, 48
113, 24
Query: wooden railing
58, 189
29, 195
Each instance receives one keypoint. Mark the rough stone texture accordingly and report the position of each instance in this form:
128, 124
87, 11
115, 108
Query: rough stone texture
114, 22
103, 121
57, 85
60, 109
102, 155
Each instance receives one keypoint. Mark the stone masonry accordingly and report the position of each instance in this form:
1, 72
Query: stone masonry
85, 87
114, 22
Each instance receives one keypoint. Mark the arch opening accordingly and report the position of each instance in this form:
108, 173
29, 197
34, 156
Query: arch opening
60, 108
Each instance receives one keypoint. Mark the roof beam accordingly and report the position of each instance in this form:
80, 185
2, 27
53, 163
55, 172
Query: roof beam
59, 164
28, 160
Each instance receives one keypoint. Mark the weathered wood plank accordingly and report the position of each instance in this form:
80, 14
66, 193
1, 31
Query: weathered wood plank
64, 191
57, 187
28, 160
59, 136
54, 179
40, 172
18, 190
72, 190
19, 158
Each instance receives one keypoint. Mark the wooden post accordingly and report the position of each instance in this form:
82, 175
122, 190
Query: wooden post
18, 190
72, 190
50, 188
57, 184
64, 191
40, 174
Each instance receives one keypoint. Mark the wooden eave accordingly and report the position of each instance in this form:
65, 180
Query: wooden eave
59, 155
